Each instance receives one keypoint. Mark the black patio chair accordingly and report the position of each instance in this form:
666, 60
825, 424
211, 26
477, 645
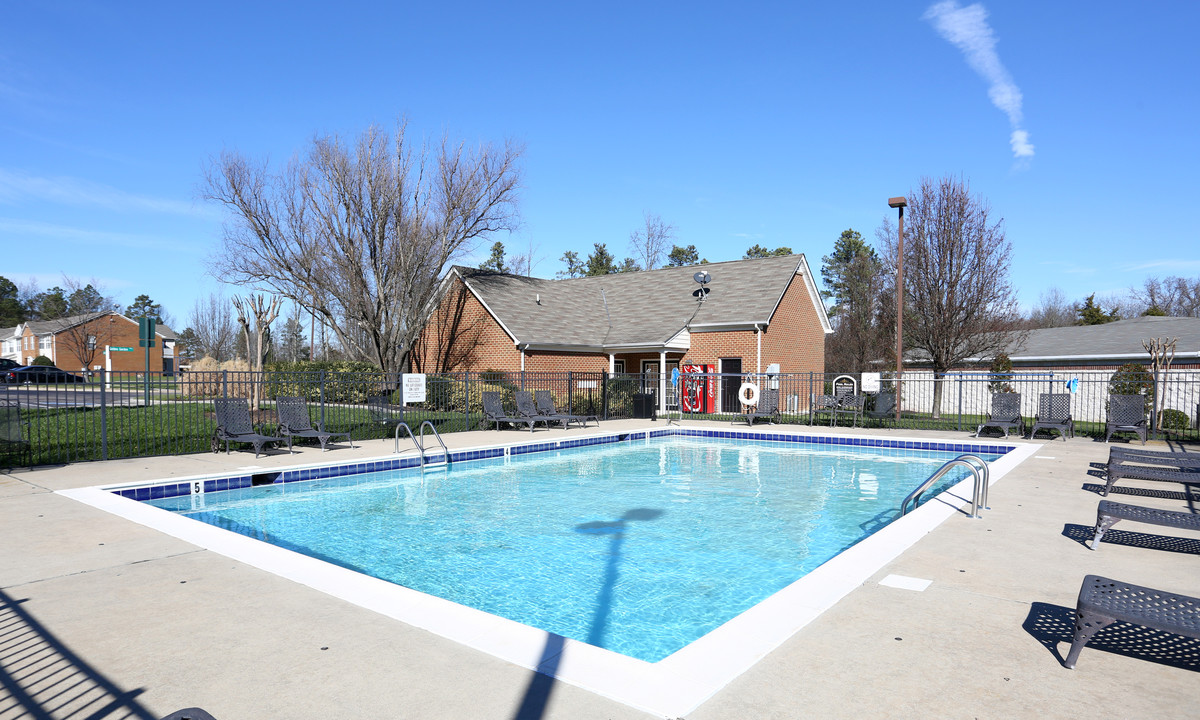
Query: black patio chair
1126, 414
383, 412
294, 422
234, 425
1054, 413
544, 400
767, 408
1005, 414
493, 411
885, 407
822, 405
526, 408
14, 433
849, 404
1103, 602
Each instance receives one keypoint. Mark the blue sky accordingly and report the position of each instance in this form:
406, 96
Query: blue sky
776, 124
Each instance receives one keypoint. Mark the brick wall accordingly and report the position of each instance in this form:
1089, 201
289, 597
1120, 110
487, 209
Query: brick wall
462, 335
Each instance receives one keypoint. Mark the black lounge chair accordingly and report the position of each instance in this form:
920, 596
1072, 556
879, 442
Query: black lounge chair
1147, 465
1127, 414
545, 406
526, 408
851, 405
14, 433
234, 425
1103, 602
1054, 413
294, 422
383, 412
767, 408
885, 407
493, 411
1005, 415
1109, 513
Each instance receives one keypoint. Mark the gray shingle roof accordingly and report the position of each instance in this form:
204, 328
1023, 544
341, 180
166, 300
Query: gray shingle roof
1111, 340
632, 309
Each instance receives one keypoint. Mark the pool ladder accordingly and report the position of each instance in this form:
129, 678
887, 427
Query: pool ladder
419, 441
978, 468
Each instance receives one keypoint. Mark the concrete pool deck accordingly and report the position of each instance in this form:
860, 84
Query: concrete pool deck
122, 613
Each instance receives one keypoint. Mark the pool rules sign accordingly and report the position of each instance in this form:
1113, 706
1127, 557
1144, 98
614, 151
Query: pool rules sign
413, 387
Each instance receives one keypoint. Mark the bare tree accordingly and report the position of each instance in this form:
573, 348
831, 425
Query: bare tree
362, 235
959, 301
1053, 310
211, 323
1174, 296
651, 244
263, 315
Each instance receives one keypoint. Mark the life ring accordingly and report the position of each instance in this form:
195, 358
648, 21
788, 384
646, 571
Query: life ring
748, 393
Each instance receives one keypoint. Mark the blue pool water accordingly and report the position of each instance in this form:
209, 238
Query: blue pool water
639, 547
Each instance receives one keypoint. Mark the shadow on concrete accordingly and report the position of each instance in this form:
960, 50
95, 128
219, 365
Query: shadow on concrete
1054, 624
1083, 535
541, 685
1190, 494
43, 678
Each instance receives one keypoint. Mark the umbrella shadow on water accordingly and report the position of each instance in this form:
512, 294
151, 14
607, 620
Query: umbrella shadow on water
541, 685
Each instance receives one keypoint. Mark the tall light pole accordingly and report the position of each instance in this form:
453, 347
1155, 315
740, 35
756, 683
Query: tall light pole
899, 203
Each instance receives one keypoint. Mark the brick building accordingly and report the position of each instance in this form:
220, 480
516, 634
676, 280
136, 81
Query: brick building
79, 343
757, 313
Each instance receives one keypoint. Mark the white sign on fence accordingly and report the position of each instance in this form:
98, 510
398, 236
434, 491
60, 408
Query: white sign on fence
414, 387
870, 382
587, 384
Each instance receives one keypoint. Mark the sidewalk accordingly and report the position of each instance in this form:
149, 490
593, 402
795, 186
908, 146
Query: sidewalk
155, 624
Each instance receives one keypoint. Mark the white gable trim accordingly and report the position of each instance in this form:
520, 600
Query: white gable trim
491, 312
814, 295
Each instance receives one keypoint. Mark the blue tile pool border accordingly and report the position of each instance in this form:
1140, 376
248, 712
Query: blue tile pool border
176, 488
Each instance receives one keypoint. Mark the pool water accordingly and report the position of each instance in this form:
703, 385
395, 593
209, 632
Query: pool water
640, 548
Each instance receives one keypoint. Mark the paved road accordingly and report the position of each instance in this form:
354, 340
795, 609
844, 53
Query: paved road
70, 395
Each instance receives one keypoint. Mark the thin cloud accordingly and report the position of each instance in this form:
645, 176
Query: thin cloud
17, 230
16, 186
1160, 264
967, 29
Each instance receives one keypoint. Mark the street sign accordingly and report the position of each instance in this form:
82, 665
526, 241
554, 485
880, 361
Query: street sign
121, 349
146, 332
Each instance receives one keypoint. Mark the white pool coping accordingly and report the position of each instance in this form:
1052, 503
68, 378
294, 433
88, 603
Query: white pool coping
672, 687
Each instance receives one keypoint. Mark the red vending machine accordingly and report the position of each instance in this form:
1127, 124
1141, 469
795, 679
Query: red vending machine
698, 394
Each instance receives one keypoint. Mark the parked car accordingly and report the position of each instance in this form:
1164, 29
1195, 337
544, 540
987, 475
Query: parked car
40, 374
6, 365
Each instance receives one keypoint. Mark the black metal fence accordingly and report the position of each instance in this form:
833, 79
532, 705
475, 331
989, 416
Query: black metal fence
123, 415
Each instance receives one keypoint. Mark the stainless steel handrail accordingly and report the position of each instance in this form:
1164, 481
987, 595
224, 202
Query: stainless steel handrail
445, 450
410, 435
979, 497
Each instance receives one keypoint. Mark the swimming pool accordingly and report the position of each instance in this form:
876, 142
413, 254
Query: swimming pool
612, 532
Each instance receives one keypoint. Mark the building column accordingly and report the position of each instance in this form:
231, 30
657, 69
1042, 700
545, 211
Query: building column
758, 362
662, 382
612, 363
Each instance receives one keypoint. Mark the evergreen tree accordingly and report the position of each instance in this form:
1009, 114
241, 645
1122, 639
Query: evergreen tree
12, 312
600, 262
495, 262
575, 268
1091, 313
758, 251
684, 256
143, 306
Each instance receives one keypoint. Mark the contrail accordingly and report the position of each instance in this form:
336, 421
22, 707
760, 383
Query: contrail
967, 29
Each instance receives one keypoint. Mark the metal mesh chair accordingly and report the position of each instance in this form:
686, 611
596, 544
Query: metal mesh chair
14, 435
823, 405
1103, 602
768, 408
544, 400
1109, 513
1005, 415
493, 411
851, 405
885, 407
1127, 414
294, 422
1054, 413
234, 425
528, 410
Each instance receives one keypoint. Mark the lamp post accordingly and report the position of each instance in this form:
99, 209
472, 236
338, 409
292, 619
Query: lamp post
899, 203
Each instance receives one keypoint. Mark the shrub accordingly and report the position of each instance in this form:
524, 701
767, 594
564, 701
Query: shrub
42, 360
457, 394
1173, 419
1001, 370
